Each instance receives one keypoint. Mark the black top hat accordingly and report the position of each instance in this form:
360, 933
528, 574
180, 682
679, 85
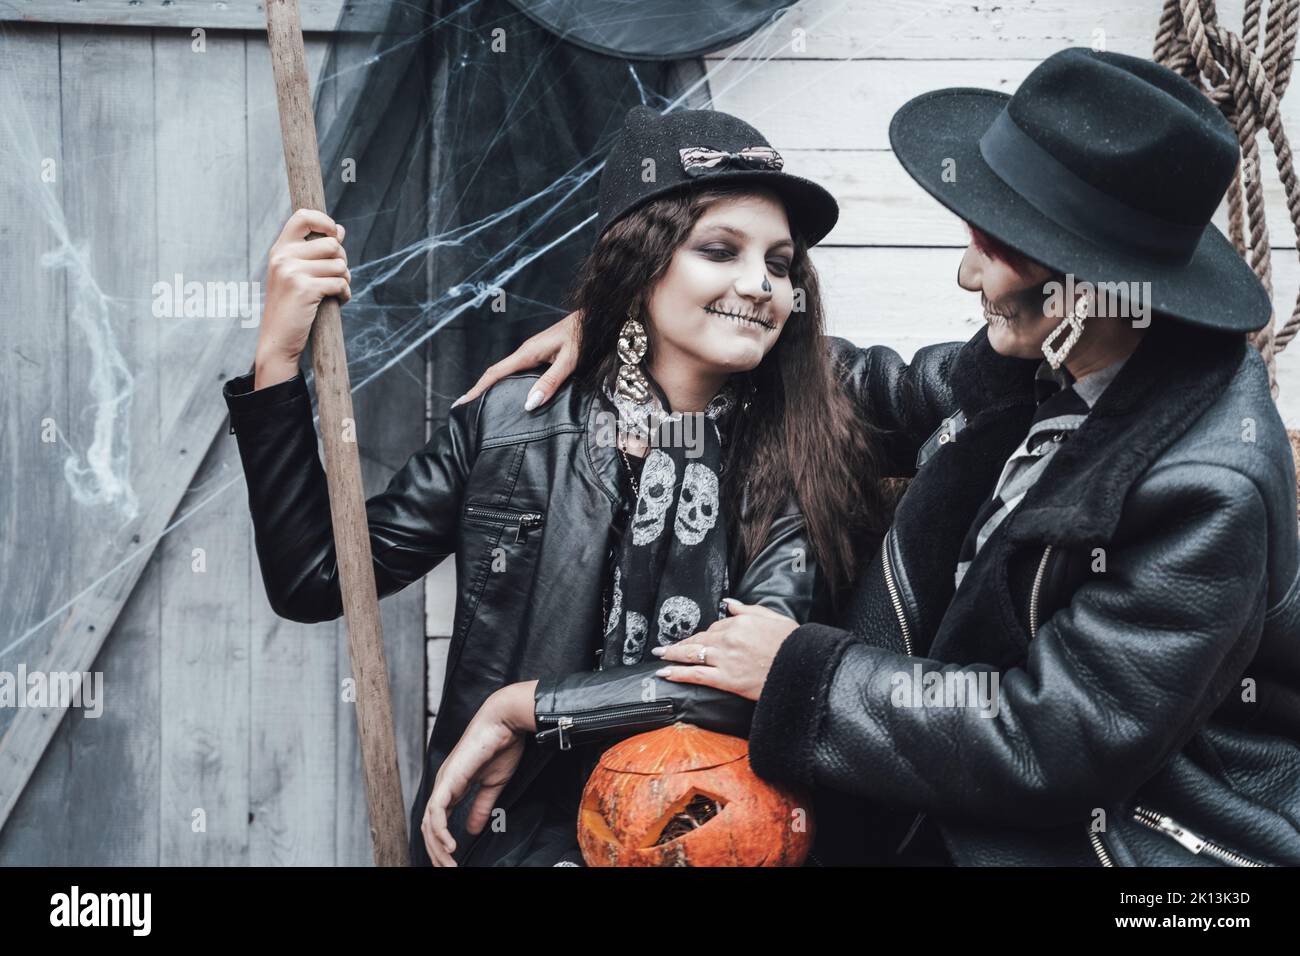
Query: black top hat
657, 154
1104, 166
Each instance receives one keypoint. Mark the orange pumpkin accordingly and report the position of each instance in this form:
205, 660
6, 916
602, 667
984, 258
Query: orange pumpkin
682, 796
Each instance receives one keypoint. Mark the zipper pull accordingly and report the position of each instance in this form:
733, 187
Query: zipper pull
525, 521
564, 723
1188, 839
561, 725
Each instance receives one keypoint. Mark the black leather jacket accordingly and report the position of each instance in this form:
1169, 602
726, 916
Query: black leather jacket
1140, 607
525, 501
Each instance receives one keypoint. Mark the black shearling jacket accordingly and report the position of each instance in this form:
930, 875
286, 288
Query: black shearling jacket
1140, 608
536, 489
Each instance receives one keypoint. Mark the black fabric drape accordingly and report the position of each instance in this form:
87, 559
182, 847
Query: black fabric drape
461, 149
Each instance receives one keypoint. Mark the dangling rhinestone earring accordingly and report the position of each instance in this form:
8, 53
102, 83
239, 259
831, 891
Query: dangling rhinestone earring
632, 344
1074, 322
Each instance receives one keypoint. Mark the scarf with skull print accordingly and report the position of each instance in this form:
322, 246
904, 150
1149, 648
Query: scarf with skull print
671, 572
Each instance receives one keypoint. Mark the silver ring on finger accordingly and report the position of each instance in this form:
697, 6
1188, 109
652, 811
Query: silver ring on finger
703, 653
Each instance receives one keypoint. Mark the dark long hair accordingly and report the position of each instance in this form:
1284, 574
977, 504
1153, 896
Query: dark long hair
799, 436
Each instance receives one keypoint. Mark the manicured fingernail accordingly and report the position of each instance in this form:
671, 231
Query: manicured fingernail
662, 672
657, 651
458, 401
534, 399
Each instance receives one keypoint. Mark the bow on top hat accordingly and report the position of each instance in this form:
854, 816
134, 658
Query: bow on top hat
1104, 166
691, 149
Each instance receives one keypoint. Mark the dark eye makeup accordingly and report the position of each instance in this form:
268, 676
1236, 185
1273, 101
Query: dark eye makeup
780, 266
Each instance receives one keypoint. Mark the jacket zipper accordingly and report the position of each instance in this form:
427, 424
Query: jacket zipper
1094, 838
1188, 840
525, 519
1035, 591
1099, 848
891, 585
605, 717
895, 598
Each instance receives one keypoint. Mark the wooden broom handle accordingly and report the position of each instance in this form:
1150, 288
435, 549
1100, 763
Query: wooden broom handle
342, 463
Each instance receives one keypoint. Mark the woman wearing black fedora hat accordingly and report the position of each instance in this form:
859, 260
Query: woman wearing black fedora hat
702, 452
1079, 642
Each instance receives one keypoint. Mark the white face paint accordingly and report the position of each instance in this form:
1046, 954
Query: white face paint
658, 476
678, 618
697, 508
634, 643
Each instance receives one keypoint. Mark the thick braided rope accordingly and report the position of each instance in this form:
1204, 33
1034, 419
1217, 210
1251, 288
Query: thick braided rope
1246, 86
1259, 100
1228, 90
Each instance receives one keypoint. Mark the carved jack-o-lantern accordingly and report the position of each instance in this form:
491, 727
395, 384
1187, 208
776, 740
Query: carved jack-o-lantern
682, 796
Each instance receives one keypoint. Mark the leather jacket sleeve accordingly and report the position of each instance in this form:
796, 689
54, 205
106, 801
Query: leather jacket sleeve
1113, 684
413, 523
620, 701
902, 402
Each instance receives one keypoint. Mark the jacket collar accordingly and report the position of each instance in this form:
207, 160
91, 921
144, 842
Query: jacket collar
1170, 379
1174, 375
984, 381
602, 456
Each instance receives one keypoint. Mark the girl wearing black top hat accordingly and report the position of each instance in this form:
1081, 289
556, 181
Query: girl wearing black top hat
1077, 644
702, 452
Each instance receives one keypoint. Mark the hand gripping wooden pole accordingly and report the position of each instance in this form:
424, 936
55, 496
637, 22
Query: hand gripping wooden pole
342, 464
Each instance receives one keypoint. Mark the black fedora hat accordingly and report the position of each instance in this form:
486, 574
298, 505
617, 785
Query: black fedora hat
661, 153
1102, 166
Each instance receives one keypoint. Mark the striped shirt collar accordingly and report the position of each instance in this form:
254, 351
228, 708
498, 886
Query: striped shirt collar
1089, 388
1063, 406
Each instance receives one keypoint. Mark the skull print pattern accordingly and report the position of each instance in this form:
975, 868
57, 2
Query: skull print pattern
697, 508
679, 617
658, 478
670, 558
634, 643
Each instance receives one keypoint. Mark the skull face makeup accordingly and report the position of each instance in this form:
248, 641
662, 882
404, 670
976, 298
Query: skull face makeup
658, 476
678, 618
634, 643
697, 509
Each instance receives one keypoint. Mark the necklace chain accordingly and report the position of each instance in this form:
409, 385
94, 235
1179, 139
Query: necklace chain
631, 475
